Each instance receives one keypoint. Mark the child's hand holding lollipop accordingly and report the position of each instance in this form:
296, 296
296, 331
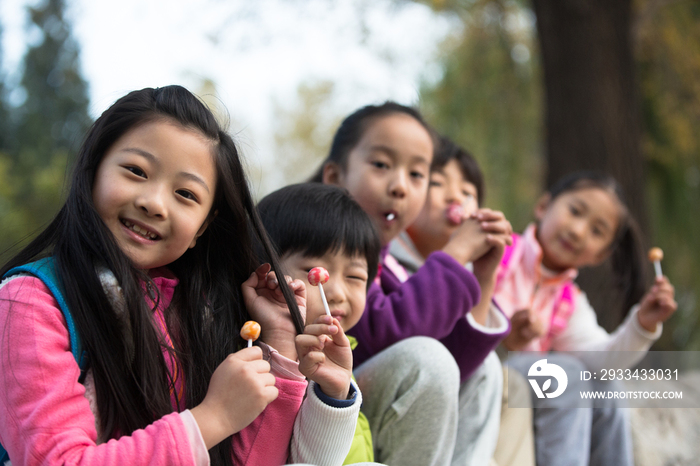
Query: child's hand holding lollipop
659, 303
325, 356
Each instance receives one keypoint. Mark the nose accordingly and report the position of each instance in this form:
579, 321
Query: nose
399, 184
578, 228
152, 203
453, 193
335, 294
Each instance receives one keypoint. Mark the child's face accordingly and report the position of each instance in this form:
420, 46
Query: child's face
432, 229
577, 228
346, 289
154, 189
387, 172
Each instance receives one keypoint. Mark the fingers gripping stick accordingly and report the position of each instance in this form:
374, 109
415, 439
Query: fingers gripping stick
250, 331
317, 277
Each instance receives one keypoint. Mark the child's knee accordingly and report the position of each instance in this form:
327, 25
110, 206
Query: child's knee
431, 358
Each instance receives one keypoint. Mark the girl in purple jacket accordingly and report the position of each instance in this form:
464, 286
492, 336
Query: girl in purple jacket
382, 156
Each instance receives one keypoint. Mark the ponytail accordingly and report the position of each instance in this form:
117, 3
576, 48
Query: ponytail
628, 263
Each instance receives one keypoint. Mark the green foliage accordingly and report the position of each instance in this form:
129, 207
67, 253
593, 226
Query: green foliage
668, 59
54, 114
38, 136
304, 131
491, 104
489, 101
4, 118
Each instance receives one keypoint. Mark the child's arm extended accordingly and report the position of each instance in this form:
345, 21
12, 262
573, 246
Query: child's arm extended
637, 333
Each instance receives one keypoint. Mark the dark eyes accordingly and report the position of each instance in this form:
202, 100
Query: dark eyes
354, 277
181, 192
136, 171
417, 175
379, 164
186, 194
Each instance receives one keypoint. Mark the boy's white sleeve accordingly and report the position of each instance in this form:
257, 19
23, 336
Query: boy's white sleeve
323, 434
585, 334
496, 321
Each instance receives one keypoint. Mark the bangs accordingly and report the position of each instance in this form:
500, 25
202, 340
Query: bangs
313, 220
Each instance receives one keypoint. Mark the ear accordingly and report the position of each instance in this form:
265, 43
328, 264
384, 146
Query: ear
332, 174
542, 205
203, 228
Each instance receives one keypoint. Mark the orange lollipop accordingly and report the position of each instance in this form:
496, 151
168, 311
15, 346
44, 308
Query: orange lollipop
656, 255
250, 331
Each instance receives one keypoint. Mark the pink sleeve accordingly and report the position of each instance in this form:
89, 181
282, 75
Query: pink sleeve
267, 439
44, 416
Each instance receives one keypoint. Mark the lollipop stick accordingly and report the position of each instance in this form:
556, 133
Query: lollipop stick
323, 297
657, 269
250, 343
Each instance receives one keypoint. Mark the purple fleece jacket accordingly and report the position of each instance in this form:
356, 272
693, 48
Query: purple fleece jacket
433, 302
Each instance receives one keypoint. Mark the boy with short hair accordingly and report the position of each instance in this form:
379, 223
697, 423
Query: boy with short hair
315, 225
456, 191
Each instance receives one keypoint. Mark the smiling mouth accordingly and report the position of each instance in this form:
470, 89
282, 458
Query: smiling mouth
567, 245
140, 231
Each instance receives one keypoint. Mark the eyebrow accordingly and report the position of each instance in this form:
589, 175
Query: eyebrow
358, 263
389, 151
382, 148
153, 159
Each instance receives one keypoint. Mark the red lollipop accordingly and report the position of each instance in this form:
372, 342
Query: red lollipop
454, 213
317, 277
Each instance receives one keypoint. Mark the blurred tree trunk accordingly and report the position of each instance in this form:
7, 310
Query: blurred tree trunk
591, 111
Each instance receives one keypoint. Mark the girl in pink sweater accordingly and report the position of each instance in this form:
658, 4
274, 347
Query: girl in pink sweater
581, 221
155, 252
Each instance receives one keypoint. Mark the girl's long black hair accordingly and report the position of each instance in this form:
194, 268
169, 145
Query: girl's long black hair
207, 310
627, 254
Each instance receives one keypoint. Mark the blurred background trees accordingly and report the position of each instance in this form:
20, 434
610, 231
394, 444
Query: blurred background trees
41, 123
534, 89
538, 89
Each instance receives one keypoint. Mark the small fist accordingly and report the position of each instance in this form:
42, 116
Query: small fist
525, 327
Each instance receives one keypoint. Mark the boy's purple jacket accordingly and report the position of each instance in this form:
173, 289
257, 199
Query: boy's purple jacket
433, 302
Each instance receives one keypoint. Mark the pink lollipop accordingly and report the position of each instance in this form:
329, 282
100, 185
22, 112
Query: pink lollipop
317, 277
454, 213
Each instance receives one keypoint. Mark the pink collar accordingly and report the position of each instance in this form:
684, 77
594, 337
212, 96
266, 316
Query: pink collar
165, 281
